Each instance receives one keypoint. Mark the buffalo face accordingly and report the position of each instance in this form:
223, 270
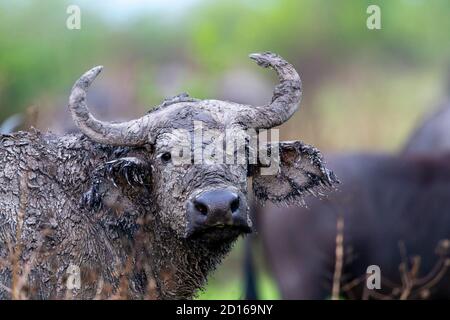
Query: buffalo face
192, 159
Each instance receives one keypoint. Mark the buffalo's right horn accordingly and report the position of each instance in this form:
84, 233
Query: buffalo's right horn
129, 133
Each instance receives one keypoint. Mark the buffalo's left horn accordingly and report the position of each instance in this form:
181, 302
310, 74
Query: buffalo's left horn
130, 133
286, 96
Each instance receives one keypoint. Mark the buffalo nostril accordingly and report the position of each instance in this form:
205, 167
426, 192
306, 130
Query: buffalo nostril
215, 207
201, 208
234, 205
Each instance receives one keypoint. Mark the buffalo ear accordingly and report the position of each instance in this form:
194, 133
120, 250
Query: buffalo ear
124, 172
301, 171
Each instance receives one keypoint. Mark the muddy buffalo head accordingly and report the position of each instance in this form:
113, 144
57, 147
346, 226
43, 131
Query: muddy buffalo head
198, 156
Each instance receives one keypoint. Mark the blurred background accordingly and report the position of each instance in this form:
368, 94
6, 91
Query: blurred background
363, 89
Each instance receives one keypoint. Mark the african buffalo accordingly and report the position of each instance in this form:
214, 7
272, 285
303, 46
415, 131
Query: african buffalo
124, 209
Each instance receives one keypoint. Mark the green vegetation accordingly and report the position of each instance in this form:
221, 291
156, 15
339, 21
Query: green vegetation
231, 290
227, 282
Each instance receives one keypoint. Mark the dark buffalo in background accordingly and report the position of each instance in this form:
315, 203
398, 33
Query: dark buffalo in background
396, 215
433, 135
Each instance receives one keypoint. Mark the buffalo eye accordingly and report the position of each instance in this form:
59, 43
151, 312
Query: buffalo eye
166, 156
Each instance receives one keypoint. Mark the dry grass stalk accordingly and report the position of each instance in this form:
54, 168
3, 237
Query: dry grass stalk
339, 259
411, 285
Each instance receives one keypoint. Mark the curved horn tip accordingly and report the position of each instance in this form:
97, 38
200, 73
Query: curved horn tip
92, 73
89, 76
266, 59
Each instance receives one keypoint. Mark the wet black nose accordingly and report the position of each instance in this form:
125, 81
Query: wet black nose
217, 208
